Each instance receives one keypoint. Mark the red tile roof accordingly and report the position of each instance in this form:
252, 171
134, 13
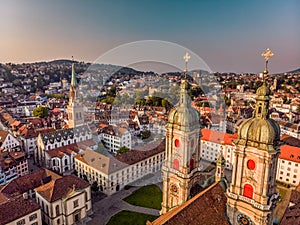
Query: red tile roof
61, 188
16, 208
290, 153
68, 149
218, 137
28, 182
289, 140
209, 207
144, 152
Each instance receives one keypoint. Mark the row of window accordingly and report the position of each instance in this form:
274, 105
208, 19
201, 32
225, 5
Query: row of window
31, 218
288, 174
289, 163
288, 180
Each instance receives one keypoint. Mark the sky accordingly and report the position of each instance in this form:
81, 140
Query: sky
229, 35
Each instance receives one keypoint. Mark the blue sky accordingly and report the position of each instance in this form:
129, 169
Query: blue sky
228, 35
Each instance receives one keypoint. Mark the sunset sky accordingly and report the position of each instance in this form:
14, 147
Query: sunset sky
228, 35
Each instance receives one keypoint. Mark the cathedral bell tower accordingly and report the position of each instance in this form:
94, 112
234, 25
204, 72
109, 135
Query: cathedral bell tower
74, 108
181, 167
252, 194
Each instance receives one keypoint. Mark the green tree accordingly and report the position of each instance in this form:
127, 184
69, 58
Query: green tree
40, 111
122, 150
145, 134
40, 83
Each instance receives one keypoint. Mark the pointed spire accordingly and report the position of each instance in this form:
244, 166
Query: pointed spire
263, 92
184, 86
73, 78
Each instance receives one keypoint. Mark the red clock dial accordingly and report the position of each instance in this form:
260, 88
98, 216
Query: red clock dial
177, 143
251, 164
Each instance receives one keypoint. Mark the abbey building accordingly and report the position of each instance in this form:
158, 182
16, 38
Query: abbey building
251, 196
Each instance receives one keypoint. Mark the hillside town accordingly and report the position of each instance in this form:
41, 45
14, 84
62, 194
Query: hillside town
70, 130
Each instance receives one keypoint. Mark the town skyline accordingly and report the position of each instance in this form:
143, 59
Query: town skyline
228, 36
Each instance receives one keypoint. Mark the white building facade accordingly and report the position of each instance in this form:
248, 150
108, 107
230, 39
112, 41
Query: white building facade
288, 168
113, 173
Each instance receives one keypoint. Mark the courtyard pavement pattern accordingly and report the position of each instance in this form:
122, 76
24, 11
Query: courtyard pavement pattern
111, 205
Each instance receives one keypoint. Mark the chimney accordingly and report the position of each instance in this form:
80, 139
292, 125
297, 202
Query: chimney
25, 195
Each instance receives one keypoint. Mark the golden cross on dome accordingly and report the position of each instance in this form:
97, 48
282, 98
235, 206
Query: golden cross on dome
186, 58
267, 54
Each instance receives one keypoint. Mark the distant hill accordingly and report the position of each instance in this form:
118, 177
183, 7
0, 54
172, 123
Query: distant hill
61, 61
295, 71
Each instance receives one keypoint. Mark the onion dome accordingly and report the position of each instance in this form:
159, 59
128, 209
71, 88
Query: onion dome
260, 131
184, 117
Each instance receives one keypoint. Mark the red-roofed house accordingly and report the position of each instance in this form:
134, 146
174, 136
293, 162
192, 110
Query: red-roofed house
8, 141
66, 200
288, 166
212, 142
19, 211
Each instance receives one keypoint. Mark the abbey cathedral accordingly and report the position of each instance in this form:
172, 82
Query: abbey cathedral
250, 197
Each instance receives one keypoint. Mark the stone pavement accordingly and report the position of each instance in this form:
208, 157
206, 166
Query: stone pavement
111, 205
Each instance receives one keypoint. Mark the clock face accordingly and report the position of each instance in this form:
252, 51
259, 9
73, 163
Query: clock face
244, 220
174, 188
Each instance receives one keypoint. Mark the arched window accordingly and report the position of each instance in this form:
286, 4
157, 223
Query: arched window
57, 210
176, 164
259, 109
66, 162
248, 191
191, 164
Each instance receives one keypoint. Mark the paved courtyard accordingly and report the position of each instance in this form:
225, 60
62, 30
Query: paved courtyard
111, 205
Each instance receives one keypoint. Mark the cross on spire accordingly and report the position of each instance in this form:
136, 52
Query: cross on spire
267, 55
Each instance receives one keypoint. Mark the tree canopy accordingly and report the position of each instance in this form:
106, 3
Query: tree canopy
40, 111
122, 150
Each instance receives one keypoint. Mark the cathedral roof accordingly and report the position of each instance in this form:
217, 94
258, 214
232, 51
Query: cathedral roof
209, 207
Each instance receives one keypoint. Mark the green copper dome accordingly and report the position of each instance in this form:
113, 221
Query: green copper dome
260, 131
263, 90
184, 117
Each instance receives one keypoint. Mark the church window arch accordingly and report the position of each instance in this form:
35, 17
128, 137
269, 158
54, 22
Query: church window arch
248, 191
176, 164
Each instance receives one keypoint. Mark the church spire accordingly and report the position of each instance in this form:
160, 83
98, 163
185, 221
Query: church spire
73, 78
74, 108
184, 86
263, 92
